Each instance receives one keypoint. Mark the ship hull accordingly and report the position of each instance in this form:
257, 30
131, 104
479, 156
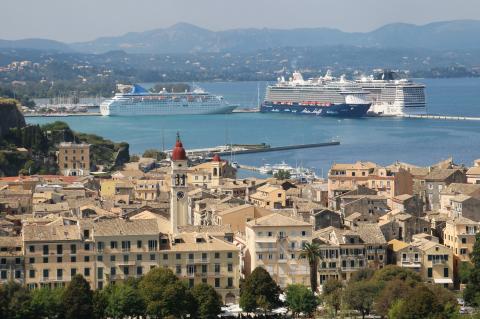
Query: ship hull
125, 109
334, 110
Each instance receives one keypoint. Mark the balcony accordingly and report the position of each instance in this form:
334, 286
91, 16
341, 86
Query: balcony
265, 249
439, 262
201, 260
411, 263
381, 251
371, 251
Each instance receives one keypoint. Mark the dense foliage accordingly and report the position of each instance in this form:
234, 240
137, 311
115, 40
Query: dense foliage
393, 292
159, 294
300, 299
259, 292
472, 291
282, 174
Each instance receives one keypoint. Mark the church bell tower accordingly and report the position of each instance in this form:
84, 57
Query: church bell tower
178, 191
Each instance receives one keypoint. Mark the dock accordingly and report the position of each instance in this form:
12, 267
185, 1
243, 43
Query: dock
62, 114
280, 148
441, 117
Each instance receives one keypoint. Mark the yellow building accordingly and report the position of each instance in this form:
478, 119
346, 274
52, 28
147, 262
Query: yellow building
74, 159
210, 174
147, 189
274, 242
433, 261
11, 260
387, 182
473, 173
269, 196
117, 190
459, 236
238, 216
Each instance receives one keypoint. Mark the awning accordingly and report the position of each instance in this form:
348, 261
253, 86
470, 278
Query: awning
443, 281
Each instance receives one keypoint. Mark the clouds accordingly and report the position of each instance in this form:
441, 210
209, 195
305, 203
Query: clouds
69, 20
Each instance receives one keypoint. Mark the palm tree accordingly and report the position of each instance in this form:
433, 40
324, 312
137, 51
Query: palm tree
312, 253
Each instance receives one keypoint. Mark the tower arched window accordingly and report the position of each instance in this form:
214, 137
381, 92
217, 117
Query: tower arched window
215, 171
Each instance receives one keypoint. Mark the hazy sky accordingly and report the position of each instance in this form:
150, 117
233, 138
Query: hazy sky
81, 20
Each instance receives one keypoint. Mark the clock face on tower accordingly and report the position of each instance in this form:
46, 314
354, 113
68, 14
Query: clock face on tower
180, 195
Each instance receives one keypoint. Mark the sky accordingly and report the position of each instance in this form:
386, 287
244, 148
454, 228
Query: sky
84, 20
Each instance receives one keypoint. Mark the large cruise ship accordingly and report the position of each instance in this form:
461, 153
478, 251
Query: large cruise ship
323, 96
138, 101
391, 96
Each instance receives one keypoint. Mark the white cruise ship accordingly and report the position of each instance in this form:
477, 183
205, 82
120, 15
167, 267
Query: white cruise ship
141, 102
393, 97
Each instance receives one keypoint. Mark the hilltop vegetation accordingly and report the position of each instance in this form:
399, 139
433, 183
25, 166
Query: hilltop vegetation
41, 143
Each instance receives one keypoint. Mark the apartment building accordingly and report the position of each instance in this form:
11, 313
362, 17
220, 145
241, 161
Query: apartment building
11, 260
459, 236
274, 242
269, 196
147, 189
436, 181
433, 261
210, 174
74, 159
345, 251
343, 178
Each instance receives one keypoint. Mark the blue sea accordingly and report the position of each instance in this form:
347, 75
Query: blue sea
381, 140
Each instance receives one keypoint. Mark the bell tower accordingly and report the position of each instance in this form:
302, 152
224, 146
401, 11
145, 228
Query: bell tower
178, 191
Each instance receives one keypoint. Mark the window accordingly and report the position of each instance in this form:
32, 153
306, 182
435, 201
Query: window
229, 282
260, 256
113, 245
269, 234
126, 270
139, 257
429, 272
112, 258
73, 259
190, 256
178, 256
45, 273
125, 258
100, 246
304, 233
178, 269
217, 268
165, 256
139, 244
445, 272
100, 258
86, 246
230, 267
204, 268
229, 255
139, 271
152, 257
217, 255
86, 259
59, 249
59, 273
32, 260
464, 240
86, 272
59, 260
86, 233
113, 271
31, 248
45, 249
152, 245
126, 245
31, 273
463, 251
73, 272
73, 249
45, 260
217, 282
3, 274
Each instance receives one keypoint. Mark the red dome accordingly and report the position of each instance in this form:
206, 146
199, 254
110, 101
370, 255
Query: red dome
216, 158
178, 152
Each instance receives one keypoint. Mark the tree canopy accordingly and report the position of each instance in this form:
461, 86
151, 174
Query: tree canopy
259, 290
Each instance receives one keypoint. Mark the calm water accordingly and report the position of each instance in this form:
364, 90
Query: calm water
381, 140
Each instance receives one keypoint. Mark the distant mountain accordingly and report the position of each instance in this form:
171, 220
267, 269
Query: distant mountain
187, 38
36, 44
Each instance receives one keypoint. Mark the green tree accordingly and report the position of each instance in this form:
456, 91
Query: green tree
208, 300
155, 154
19, 307
300, 298
312, 252
78, 299
165, 295
360, 296
464, 271
391, 292
282, 174
257, 288
332, 294
425, 302
123, 300
47, 303
471, 294
100, 303
391, 272
362, 274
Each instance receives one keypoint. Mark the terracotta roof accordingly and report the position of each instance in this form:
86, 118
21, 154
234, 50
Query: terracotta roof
34, 232
370, 233
397, 244
121, 227
440, 174
474, 170
277, 219
356, 165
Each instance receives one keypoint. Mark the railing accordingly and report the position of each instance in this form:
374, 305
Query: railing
380, 251
439, 261
201, 260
